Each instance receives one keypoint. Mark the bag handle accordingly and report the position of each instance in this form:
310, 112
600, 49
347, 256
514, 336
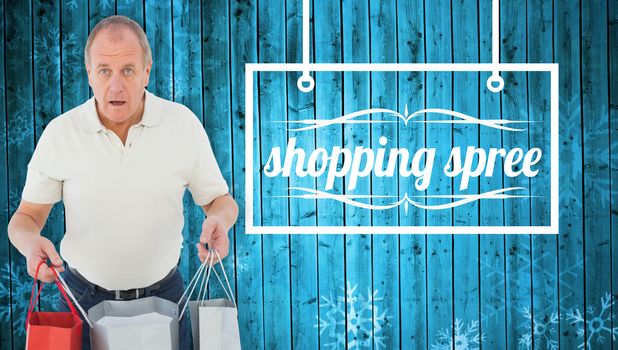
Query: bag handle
33, 299
204, 284
191, 286
73, 298
231, 292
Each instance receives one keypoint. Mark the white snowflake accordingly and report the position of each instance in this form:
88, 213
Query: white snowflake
466, 337
542, 332
597, 326
492, 313
71, 5
363, 319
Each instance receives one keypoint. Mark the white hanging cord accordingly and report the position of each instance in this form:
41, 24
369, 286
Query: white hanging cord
66, 288
306, 77
495, 49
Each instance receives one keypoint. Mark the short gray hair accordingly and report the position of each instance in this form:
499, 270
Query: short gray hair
118, 21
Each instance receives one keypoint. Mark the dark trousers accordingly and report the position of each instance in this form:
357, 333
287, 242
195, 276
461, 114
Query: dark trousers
89, 295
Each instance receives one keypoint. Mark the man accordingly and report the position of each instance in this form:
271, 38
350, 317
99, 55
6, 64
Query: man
121, 162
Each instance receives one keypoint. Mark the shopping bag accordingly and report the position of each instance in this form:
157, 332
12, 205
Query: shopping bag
214, 323
150, 323
52, 330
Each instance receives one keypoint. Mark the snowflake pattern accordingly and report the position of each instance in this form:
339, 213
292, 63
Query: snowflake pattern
491, 313
16, 282
46, 55
597, 326
363, 319
543, 332
465, 337
570, 151
71, 5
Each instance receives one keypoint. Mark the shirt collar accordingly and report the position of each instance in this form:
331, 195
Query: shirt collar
92, 123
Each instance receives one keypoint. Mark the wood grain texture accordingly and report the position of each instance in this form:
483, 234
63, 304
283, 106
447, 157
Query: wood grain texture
300, 291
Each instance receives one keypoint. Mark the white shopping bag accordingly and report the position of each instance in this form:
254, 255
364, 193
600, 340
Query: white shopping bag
149, 323
214, 323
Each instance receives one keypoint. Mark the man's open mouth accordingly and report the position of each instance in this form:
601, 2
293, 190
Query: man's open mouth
117, 103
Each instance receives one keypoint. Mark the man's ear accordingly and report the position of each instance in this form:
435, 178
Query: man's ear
88, 73
147, 70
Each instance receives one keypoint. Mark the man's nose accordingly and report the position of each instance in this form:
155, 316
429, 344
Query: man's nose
116, 83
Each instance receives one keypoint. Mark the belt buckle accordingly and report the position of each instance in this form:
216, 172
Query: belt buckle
119, 296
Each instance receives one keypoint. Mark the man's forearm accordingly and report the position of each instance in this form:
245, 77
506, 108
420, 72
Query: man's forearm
224, 207
22, 230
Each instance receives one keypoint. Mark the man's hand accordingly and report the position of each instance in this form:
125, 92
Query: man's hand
214, 233
42, 248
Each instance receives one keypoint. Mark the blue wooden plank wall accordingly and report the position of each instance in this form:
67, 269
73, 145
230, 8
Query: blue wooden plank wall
360, 291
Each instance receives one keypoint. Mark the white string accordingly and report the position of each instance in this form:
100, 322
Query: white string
68, 290
305, 77
495, 49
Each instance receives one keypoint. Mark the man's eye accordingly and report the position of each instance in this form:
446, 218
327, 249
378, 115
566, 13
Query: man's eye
128, 71
104, 71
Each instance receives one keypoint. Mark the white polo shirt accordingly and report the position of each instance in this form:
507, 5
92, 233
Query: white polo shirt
123, 203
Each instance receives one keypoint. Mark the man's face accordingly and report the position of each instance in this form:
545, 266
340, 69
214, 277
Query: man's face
117, 74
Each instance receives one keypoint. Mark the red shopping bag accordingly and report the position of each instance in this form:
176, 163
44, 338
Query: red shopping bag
52, 330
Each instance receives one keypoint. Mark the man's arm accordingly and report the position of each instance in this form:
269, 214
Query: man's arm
221, 215
24, 232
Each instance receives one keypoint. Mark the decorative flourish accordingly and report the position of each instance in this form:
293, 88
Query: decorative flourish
463, 119
598, 325
466, 337
364, 320
462, 199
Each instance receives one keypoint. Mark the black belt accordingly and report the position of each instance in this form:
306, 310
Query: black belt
126, 294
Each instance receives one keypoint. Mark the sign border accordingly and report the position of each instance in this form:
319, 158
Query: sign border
552, 68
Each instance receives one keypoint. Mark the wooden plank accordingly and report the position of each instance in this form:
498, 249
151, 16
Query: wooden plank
275, 256
47, 98
20, 135
74, 33
570, 239
159, 32
303, 212
135, 10
100, 9
216, 90
412, 253
492, 254
243, 32
187, 90
358, 248
439, 136
597, 230
613, 122
517, 211
545, 310
332, 321
466, 85
385, 255
6, 334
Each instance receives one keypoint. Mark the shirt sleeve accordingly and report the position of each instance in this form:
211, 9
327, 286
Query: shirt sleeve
43, 185
206, 181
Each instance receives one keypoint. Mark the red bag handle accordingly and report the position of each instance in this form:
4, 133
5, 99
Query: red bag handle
33, 300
